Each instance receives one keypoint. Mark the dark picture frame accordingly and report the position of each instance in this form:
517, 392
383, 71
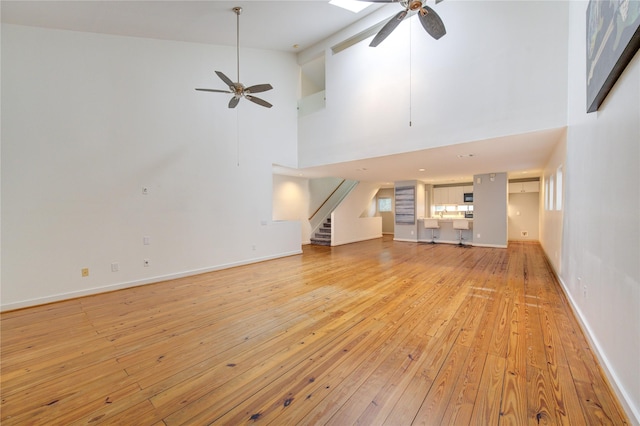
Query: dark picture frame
613, 38
405, 205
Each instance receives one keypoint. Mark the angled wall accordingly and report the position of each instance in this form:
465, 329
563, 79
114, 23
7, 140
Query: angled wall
347, 223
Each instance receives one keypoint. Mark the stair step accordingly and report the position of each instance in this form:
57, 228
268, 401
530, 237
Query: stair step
323, 236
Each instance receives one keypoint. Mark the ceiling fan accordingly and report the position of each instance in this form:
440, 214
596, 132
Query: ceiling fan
238, 89
428, 18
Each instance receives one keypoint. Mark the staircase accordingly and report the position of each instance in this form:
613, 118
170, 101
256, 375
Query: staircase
323, 236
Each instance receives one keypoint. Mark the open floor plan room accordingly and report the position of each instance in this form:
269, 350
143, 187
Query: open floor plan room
376, 332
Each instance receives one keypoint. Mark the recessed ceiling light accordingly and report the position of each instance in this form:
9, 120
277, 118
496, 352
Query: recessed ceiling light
352, 5
421, 170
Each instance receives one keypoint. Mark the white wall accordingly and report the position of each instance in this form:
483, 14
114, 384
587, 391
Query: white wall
551, 232
387, 217
347, 225
89, 119
291, 202
495, 73
523, 216
601, 229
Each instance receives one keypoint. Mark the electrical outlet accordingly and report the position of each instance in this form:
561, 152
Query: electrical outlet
115, 267
146, 263
85, 272
477, 235
582, 287
253, 247
146, 240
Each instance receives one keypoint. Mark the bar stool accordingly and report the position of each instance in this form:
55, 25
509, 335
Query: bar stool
460, 225
433, 225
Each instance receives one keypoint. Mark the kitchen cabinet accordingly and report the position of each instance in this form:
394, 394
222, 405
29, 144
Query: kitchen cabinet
440, 196
456, 195
449, 195
532, 186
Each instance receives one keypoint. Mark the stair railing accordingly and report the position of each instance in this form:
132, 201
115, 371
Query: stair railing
330, 203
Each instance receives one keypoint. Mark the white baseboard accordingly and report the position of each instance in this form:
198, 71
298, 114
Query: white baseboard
119, 286
490, 245
623, 396
466, 243
405, 240
438, 241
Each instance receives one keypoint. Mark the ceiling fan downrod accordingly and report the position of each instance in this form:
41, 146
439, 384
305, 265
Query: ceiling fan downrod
238, 10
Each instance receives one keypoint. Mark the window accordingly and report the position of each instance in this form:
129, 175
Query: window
559, 188
546, 193
384, 204
552, 191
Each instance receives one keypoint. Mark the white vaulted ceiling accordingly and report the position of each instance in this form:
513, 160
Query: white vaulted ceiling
279, 25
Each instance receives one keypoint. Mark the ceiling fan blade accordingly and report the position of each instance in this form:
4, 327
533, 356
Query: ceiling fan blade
234, 102
258, 88
258, 101
388, 28
431, 22
224, 78
214, 90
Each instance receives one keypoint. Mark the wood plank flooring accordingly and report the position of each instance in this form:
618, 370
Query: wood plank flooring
378, 332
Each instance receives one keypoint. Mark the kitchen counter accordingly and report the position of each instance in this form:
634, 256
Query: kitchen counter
446, 233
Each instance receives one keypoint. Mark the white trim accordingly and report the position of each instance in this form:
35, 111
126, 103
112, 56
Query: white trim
490, 245
405, 240
623, 396
439, 241
119, 286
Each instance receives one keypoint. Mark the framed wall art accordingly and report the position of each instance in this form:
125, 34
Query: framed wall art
405, 205
613, 38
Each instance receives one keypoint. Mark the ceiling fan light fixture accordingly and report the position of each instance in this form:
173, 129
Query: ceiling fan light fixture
236, 88
428, 17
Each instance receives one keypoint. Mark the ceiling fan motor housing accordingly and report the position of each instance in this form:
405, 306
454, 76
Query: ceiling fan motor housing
415, 5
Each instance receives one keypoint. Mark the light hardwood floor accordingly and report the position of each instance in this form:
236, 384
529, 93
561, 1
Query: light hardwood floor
378, 332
